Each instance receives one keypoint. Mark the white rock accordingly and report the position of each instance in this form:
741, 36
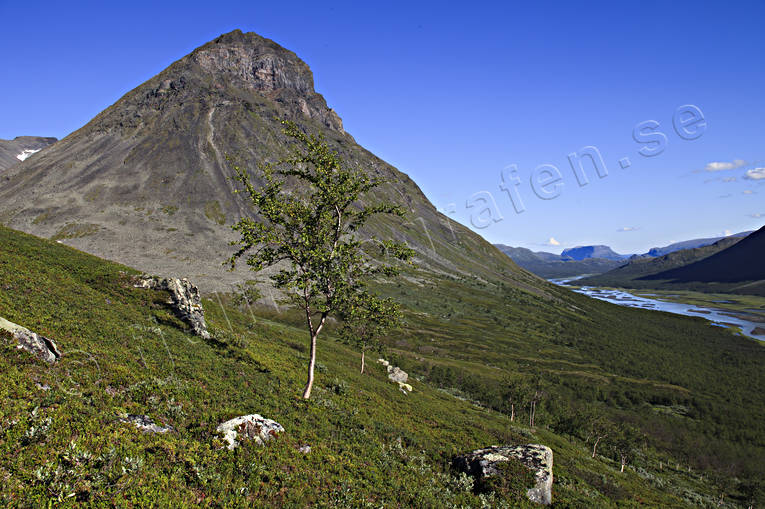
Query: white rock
249, 427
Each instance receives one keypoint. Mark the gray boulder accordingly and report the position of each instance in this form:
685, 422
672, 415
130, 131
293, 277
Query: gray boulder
398, 375
538, 458
249, 427
42, 347
185, 300
145, 424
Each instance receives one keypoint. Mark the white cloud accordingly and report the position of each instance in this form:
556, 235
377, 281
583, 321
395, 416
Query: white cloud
727, 233
747, 191
552, 242
725, 165
756, 215
755, 174
627, 229
725, 195
729, 179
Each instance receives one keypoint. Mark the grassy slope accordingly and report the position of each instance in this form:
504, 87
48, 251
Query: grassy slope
126, 353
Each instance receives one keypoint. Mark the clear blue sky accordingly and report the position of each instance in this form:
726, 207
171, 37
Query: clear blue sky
451, 94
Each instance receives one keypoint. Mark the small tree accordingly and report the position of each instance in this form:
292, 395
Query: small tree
366, 318
626, 440
535, 392
310, 232
515, 392
600, 429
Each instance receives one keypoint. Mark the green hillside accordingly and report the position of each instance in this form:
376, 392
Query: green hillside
62, 443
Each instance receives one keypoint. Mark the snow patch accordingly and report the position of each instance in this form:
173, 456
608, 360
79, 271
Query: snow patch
27, 153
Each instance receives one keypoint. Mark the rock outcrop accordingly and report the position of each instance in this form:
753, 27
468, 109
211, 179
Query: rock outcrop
538, 458
397, 375
249, 427
186, 301
145, 424
42, 347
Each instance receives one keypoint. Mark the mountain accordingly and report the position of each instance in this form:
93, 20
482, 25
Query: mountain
584, 252
689, 244
550, 265
12, 152
742, 262
732, 264
146, 182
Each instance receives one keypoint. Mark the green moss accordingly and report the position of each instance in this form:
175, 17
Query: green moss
512, 480
75, 231
42, 218
214, 213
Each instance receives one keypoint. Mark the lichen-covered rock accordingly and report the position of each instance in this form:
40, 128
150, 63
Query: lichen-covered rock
185, 300
398, 375
538, 458
405, 388
249, 427
42, 347
145, 424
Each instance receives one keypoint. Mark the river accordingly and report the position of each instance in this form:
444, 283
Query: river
718, 317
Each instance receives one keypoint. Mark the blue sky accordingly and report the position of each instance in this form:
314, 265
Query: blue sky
454, 93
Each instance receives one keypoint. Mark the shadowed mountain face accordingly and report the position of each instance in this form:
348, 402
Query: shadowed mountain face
146, 182
730, 265
743, 261
13, 152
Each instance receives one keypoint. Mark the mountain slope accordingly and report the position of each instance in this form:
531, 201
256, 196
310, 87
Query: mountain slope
740, 263
12, 152
146, 182
732, 264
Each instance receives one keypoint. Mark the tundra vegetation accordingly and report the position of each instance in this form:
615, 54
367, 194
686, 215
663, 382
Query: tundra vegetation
62, 442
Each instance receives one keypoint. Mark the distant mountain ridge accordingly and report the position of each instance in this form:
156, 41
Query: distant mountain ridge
19, 149
593, 260
550, 265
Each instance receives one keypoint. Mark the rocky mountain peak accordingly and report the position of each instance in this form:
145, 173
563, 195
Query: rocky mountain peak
254, 62
248, 61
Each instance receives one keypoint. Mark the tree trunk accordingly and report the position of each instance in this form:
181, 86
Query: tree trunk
624, 461
595, 447
311, 365
362, 361
512, 412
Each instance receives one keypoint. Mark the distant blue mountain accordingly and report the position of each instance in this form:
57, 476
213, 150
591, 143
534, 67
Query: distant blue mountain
585, 252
